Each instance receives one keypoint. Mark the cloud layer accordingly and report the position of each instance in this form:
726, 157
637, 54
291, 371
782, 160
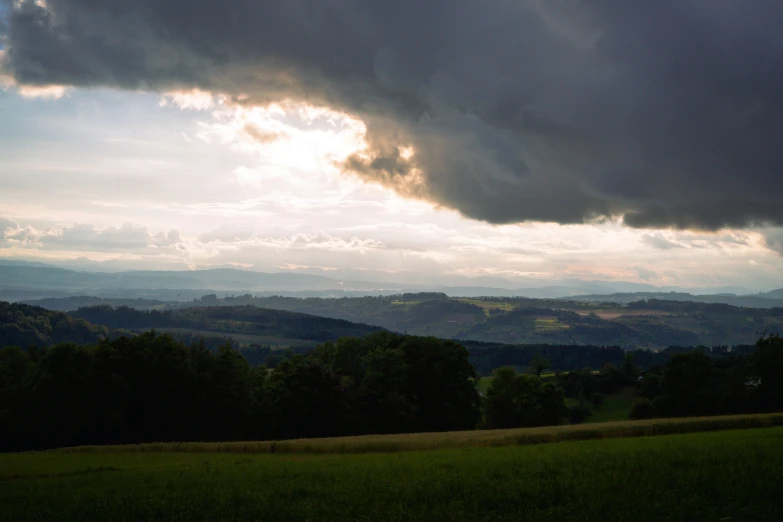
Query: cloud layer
442, 249
666, 112
83, 237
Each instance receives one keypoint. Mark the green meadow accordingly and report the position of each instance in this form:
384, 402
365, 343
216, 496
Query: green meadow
615, 407
722, 476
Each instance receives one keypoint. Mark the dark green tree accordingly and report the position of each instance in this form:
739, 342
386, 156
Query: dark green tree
440, 384
766, 373
687, 387
305, 399
519, 400
539, 363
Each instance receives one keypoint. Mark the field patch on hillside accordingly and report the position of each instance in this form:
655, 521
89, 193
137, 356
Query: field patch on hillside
548, 324
614, 313
488, 304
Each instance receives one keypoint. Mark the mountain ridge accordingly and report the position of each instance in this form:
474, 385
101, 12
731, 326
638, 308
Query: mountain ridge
22, 280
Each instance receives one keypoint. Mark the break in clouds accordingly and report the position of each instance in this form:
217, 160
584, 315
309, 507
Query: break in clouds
667, 112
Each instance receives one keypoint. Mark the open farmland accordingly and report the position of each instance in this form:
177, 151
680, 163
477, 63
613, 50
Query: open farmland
615, 313
548, 324
488, 304
730, 475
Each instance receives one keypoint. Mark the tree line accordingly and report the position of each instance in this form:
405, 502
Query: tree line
486, 357
692, 384
152, 388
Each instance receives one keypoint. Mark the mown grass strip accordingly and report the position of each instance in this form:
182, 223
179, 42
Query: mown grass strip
456, 439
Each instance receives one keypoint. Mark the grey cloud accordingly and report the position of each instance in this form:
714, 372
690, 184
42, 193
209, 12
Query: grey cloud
774, 241
88, 237
7, 223
163, 239
659, 242
665, 112
23, 237
645, 274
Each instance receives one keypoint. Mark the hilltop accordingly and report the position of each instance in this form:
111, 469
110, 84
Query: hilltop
24, 325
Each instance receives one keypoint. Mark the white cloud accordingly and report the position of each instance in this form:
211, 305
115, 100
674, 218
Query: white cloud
8, 227
193, 99
317, 240
52, 92
166, 239
84, 237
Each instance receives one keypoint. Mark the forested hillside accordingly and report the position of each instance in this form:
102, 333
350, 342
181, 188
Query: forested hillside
73, 303
486, 357
23, 325
243, 320
653, 324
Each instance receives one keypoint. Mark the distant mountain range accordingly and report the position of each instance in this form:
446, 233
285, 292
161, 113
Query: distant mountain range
773, 299
23, 281
26, 280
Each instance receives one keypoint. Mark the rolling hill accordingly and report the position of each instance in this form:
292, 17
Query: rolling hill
235, 320
23, 325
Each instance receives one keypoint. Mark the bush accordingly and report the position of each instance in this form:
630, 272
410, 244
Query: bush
578, 414
642, 409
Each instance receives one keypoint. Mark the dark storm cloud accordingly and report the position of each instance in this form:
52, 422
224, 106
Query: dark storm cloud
668, 112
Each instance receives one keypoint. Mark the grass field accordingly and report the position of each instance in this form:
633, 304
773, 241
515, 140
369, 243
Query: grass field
455, 439
615, 407
488, 305
723, 476
549, 324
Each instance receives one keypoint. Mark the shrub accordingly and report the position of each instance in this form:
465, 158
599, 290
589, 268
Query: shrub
642, 409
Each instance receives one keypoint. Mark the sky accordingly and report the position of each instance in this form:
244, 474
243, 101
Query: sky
450, 142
